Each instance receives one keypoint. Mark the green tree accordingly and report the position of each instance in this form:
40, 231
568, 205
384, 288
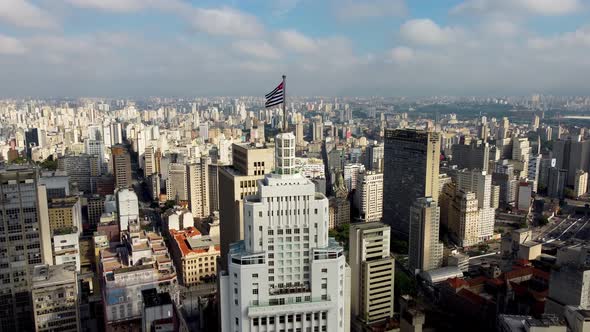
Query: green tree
404, 284
49, 163
399, 247
543, 221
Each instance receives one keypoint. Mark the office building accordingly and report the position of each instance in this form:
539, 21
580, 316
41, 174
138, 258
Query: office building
26, 243
479, 183
339, 209
150, 161
177, 188
411, 171
65, 213
198, 188
299, 133
250, 163
214, 187
194, 255
474, 155
82, 170
557, 182
317, 130
463, 218
127, 205
372, 272
54, 292
571, 155
286, 273
351, 173
581, 183
368, 197
57, 184
375, 157
425, 251
66, 247
121, 163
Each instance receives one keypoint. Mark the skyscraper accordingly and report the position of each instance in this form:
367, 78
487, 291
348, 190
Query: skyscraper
368, 196
25, 243
198, 184
286, 273
372, 272
317, 130
177, 182
411, 171
425, 250
121, 166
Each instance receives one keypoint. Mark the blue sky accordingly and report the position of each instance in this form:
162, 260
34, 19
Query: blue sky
326, 47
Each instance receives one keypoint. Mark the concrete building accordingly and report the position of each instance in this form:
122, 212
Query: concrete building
411, 171
372, 272
177, 218
57, 184
121, 161
529, 250
65, 213
317, 127
463, 218
351, 174
557, 182
250, 164
195, 255
214, 187
127, 208
287, 272
569, 285
66, 247
24, 206
581, 183
81, 169
159, 312
375, 157
368, 197
177, 188
474, 155
54, 292
525, 194
479, 183
518, 323
198, 188
425, 251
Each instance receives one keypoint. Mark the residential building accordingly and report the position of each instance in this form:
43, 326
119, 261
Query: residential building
351, 173
375, 154
54, 292
121, 161
195, 255
581, 183
287, 272
198, 188
65, 213
81, 169
66, 247
425, 251
369, 196
127, 208
411, 171
474, 155
372, 272
177, 188
317, 130
463, 218
159, 312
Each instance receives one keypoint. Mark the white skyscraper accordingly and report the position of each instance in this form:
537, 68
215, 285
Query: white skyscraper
127, 208
425, 249
286, 274
480, 183
368, 197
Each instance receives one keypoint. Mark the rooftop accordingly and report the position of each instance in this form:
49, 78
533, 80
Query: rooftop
151, 298
49, 275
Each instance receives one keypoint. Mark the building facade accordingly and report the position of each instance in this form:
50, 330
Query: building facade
425, 251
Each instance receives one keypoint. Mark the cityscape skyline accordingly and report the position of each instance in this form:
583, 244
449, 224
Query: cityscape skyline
358, 48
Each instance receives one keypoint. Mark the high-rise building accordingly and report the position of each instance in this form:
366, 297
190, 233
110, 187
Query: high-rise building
150, 161
571, 155
463, 218
127, 208
351, 173
198, 185
250, 163
121, 166
479, 183
82, 170
299, 133
317, 127
369, 196
569, 285
26, 243
425, 251
411, 171
214, 187
286, 273
557, 181
177, 188
372, 272
471, 156
54, 292
581, 183
375, 157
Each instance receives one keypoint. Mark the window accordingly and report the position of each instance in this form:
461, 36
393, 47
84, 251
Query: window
237, 322
255, 291
270, 232
324, 270
255, 275
324, 315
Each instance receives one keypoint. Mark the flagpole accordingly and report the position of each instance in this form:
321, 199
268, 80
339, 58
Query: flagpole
285, 127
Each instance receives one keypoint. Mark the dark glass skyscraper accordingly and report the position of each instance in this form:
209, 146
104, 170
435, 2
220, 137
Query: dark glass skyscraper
411, 169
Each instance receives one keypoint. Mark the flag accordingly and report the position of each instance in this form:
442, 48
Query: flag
277, 96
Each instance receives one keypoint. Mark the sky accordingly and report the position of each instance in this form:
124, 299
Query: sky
183, 48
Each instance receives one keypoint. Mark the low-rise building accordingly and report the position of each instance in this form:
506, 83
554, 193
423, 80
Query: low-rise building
195, 255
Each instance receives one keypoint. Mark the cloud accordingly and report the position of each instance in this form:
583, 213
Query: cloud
226, 21
366, 9
257, 48
123, 6
11, 46
427, 32
501, 28
514, 7
402, 54
296, 41
21, 13
578, 39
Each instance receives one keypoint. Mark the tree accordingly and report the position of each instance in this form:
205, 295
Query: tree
543, 221
404, 284
569, 193
49, 163
399, 247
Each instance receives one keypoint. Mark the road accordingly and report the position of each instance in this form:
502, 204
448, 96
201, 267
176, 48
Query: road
569, 228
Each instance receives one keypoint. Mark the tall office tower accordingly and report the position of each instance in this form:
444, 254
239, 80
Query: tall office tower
572, 155
250, 164
411, 171
127, 208
479, 183
299, 133
204, 130
557, 180
368, 197
534, 170
545, 166
150, 161
317, 130
351, 173
94, 148
25, 243
116, 133
372, 273
198, 184
535, 123
521, 151
581, 183
425, 249
54, 292
214, 187
121, 166
375, 157
177, 182
475, 155
286, 273
503, 129
483, 132
82, 170
463, 218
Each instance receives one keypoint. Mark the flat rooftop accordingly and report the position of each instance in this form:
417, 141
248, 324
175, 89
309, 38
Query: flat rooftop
50, 275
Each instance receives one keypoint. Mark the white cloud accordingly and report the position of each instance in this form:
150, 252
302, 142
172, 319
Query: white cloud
578, 39
112, 5
501, 28
257, 48
226, 21
365, 9
11, 46
427, 32
21, 13
514, 7
296, 41
402, 54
